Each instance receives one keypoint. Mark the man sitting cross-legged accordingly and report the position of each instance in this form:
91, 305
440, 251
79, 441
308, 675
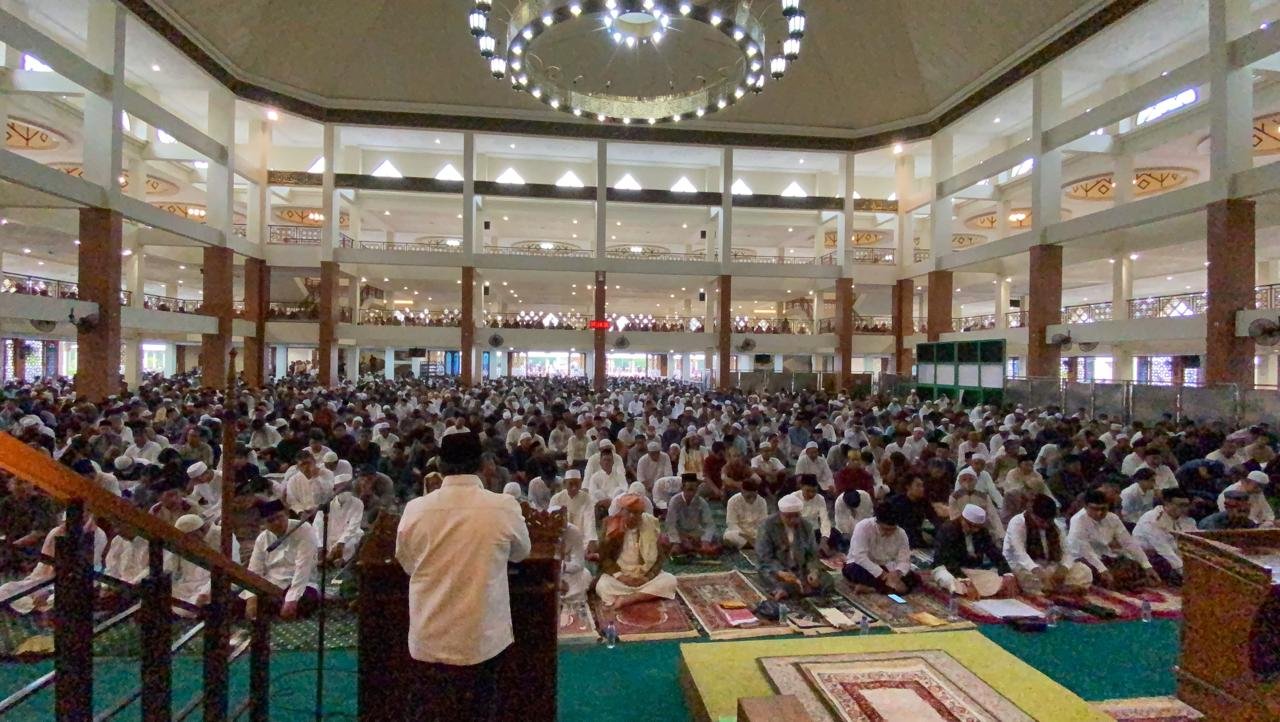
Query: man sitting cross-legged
689, 526
967, 561
743, 515
285, 553
631, 558
788, 553
1034, 547
880, 555
1098, 538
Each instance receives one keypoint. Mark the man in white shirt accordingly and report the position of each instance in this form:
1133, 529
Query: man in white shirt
578, 506
880, 555
1229, 454
608, 479
1155, 530
978, 466
1138, 497
1034, 548
206, 489
770, 469
285, 554
744, 512
1260, 510
455, 544
915, 444
851, 507
346, 517
1153, 458
307, 485
811, 462
814, 511
653, 465
1098, 538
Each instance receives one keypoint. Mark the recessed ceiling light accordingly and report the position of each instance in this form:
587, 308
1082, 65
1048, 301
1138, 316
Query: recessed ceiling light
618, 223
684, 225
181, 267
437, 141
386, 280
504, 283
1168, 278
26, 250
897, 148
997, 120
957, 290
459, 216
505, 218
155, 67
273, 114
41, 263
513, 146
789, 230
575, 221
1133, 256
613, 238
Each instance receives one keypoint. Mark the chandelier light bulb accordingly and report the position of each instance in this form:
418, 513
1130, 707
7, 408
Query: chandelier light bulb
626, 121
790, 7
675, 118
656, 38
755, 66
716, 19
795, 25
527, 33
548, 19
664, 20
617, 37
601, 117
577, 111
554, 102
575, 10
478, 22
777, 66
685, 8
648, 4
487, 44
738, 34
498, 67
631, 41
608, 21
653, 121
524, 79
484, 5
516, 64
752, 50
739, 91
536, 92
700, 112
791, 48
517, 49
611, 4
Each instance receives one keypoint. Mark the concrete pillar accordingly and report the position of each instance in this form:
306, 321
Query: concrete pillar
257, 296
724, 331
602, 199
1230, 100
1004, 207
467, 327
388, 363
844, 333
215, 347
904, 177
903, 324
327, 350
470, 239
1046, 176
1230, 252
726, 211
1121, 287
351, 359
1045, 309
1003, 289
938, 317
180, 358
941, 158
98, 369
598, 358
329, 202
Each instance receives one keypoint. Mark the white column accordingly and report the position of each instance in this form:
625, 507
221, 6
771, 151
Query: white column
103, 136
282, 360
259, 201
329, 194
726, 209
469, 239
1122, 179
132, 361
602, 199
1230, 95
1121, 287
220, 198
1268, 369
1004, 207
1046, 176
941, 159
904, 176
1003, 289
389, 363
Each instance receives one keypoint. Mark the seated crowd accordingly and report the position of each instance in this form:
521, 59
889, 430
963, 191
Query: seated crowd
1003, 501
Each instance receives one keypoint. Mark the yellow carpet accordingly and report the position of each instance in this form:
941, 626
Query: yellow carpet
719, 673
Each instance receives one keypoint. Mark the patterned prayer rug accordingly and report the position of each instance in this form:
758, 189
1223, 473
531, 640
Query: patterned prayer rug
921, 613
646, 621
813, 617
921, 685
704, 593
1148, 709
577, 626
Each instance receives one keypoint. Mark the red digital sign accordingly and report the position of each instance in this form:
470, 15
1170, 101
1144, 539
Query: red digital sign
596, 325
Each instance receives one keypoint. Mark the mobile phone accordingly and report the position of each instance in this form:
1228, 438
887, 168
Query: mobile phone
897, 599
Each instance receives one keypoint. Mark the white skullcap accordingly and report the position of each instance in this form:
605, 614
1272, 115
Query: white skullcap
197, 469
978, 457
1121, 435
506, 414
811, 445
1260, 477
966, 472
1116, 427
974, 514
341, 479
918, 428
526, 436
188, 523
280, 423
605, 444
765, 445
512, 489
123, 462
330, 457
653, 446
28, 421
573, 474
790, 504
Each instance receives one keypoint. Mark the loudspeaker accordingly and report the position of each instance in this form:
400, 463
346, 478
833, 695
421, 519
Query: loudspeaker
702, 234
486, 289
486, 225
702, 296
1015, 303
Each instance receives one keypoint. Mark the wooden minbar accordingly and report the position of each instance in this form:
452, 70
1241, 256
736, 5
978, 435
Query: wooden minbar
527, 681
1229, 667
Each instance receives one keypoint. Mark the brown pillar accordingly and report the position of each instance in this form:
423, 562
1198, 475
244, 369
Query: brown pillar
1073, 368
1229, 247
938, 316
844, 333
903, 325
214, 347
19, 359
98, 347
257, 294
1178, 370
724, 338
327, 363
1044, 308
598, 353
664, 364
467, 328
180, 358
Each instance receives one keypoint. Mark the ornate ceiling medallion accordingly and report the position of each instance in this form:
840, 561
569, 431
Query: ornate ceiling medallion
966, 240
26, 135
309, 217
156, 186
639, 61
1146, 181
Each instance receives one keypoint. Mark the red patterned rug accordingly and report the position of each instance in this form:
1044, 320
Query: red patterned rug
646, 621
577, 625
923, 685
921, 613
1148, 709
704, 593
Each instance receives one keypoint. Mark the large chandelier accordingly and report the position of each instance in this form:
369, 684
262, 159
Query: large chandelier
639, 61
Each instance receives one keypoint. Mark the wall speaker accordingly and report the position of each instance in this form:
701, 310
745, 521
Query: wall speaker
702, 296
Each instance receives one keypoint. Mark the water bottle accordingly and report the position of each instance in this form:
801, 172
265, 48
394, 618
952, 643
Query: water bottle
1146, 611
953, 606
611, 635
1051, 616
782, 613
864, 625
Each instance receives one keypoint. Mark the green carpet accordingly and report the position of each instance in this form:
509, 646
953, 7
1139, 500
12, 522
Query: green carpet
640, 681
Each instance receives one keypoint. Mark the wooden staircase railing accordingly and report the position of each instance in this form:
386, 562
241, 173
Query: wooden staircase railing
74, 629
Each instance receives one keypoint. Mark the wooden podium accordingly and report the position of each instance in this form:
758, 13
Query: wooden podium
527, 681
1229, 667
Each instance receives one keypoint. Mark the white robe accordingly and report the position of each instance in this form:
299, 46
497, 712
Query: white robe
190, 580
45, 571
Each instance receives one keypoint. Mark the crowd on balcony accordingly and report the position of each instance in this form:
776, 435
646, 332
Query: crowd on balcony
443, 319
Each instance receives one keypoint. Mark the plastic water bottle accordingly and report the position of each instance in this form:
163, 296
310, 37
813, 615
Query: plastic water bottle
1052, 615
611, 635
953, 606
782, 613
1146, 611
864, 625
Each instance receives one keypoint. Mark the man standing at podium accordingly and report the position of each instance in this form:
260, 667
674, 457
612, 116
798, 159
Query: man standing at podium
455, 545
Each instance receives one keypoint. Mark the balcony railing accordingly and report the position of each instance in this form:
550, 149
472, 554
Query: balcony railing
37, 286
1016, 319
1176, 306
435, 245
534, 251
152, 302
381, 317
538, 320
1087, 313
974, 323
302, 236
279, 311
873, 325
770, 325
1267, 297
